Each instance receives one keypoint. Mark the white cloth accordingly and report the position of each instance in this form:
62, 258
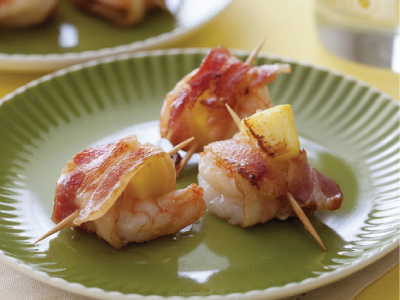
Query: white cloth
349, 287
16, 286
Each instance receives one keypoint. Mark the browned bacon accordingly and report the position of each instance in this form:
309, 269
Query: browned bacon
197, 105
95, 178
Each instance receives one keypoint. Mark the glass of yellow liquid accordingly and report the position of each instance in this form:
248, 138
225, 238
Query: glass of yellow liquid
365, 31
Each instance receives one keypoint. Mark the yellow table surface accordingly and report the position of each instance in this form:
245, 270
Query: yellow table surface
288, 28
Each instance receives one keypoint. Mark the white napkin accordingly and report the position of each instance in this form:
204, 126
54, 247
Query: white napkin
16, 286
351, 286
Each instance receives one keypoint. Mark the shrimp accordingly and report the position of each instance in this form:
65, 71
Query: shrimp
125, 192
246, 186
26, 13
147, 219
261, 173
196, 106
120, 12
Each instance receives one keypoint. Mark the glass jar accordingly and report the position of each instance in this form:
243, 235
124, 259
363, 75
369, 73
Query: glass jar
366, 31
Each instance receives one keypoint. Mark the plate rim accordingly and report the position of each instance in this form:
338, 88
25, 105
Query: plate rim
286, 290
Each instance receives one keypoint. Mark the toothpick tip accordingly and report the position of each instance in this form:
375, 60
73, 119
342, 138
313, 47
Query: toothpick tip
186, 158
253, 55
180, 146
67, 222
234, 116
304, 219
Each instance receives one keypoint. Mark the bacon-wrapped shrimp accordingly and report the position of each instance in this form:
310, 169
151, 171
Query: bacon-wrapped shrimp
251, 177
125, 192
196, 105
245, 186
120, 12
26, 13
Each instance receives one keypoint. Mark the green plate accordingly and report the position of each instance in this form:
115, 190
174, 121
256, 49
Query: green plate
72, 36
350, 130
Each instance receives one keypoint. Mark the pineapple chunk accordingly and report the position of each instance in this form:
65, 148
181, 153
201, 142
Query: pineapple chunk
274, 131
155, 178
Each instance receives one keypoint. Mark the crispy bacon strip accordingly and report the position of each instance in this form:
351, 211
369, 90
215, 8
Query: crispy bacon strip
197, 105
94, 179
312, 189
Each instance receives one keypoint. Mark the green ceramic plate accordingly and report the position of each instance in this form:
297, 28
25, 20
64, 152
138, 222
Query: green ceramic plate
350, 130
72, 36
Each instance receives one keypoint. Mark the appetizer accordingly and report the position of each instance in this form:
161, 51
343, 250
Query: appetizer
26, 13
196, 105
120, 12
253, 177
124, 192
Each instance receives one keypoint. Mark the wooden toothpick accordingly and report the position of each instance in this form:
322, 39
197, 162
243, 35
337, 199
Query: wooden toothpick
180, 146
303, 218
186, 158
253, 55
188, 153
67, 222
234, 116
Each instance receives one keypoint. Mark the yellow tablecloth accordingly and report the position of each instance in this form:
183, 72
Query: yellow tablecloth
288, 28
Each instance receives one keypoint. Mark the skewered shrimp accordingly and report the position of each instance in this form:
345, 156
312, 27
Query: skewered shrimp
245, 186
143, 220
120, 12
25, 13
256, 175
124, 192
196, 105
